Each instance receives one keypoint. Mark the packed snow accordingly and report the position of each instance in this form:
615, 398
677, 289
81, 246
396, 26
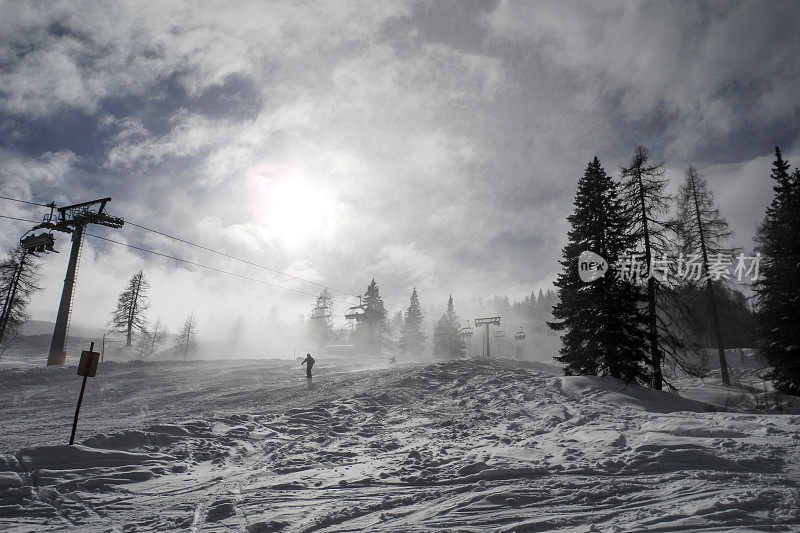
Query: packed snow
468, 445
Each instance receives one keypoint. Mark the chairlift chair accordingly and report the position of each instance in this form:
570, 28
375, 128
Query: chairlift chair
466, 331
520, 335
42, 243
499, 334
321, 312
355, 313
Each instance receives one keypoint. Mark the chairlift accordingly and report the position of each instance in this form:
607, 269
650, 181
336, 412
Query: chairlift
466, 331
520, 335
42, 243
321, 312
356, 312
499, 334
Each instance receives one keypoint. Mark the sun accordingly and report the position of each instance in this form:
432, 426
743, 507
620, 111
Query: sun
295, 211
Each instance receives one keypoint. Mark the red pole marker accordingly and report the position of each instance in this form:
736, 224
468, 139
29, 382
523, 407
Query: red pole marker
86, 368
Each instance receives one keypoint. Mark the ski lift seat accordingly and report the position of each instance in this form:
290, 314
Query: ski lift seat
42, 243
321, 312
355, 313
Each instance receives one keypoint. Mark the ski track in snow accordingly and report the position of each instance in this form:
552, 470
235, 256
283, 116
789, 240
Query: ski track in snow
469, 446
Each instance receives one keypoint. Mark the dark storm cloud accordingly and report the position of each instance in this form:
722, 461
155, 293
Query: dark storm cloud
434, 144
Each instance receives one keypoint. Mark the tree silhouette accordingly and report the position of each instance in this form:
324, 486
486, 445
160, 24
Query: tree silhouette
131, 306
412, 339
186, 340
19, 278
602, 319
646, 202
372, 325
778, 289
702, 231
447, 340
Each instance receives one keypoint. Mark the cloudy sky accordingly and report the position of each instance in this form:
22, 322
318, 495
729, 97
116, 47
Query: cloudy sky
428, 144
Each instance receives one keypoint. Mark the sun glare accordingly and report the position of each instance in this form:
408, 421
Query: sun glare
295, 212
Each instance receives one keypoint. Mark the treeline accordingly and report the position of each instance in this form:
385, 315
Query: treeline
408, 333
375, 332
130, 320
533, 312
646, 277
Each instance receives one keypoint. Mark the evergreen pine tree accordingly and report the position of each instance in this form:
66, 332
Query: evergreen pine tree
412, 339
778, 288
372, 326
396, 325
447, 340
602, 320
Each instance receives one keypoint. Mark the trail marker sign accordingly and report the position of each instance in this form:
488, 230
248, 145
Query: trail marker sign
88, 364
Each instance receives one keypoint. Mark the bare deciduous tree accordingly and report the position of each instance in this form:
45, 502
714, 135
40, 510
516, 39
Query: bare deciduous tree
187, 337
131, 306
19, 278
702, 230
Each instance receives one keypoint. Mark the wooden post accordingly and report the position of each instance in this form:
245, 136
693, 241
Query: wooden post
80, 400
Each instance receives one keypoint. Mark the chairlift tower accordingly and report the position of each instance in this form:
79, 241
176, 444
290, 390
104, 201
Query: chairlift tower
71, 219
487, 321
321, 321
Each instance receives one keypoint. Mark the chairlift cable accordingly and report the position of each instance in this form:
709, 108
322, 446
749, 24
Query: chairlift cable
21, 219
240, 259
215, 269
23, 201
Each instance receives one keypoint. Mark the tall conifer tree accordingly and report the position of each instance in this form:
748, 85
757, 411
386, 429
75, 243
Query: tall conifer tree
372, 325
778, 289
602, 320
412, 339
447, 340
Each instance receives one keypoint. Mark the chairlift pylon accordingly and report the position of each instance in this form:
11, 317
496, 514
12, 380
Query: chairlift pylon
323, 309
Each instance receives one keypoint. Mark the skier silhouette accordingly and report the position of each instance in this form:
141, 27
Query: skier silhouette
310, 361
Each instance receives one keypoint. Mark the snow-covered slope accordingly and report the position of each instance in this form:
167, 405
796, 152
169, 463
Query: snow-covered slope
468, 445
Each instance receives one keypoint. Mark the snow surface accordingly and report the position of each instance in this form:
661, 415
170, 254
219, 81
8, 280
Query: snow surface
471, 445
